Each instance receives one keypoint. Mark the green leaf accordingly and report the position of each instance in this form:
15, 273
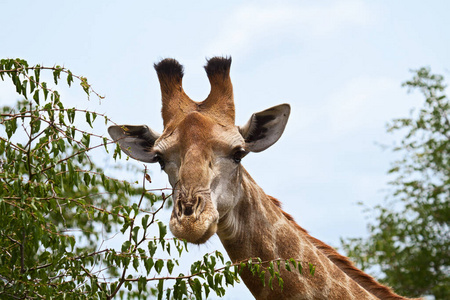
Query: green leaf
37, 72
170, 266
69, 78
86, 140
280, 281
35, 126
220, 256
71, 115
271, 269
207, 290
142, 284
159, 265
168, 248
24, 88
312, 269
195, 267
135, 234
32, 84
10, 127
86, 178
36, 97
45, 89
126, 246
84, 84
105, 143
144, 221
287, 265
229, 279
136, 263
148, 264
57, 74
160, 289
117, 152
152, 248
293, 262
262, 277
162, 230
300, 267
88, 119
196, 287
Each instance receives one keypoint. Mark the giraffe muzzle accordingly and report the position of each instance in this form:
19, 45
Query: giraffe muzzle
194, 217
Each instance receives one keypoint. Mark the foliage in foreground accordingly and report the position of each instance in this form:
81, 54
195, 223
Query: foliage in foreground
57, 208
410, 238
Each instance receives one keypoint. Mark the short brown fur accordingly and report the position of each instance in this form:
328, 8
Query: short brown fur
363, 279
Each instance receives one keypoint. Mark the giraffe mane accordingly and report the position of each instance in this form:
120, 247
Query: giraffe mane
364, 280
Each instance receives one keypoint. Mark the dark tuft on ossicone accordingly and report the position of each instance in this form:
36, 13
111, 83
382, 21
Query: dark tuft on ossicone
170, 68
218, 65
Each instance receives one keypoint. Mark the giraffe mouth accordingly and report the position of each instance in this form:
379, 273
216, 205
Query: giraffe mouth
194, 219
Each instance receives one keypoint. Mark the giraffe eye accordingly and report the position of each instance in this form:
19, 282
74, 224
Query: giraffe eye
239, 154
158, 158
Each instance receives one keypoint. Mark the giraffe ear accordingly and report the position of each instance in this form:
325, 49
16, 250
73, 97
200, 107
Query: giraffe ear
136, 141
265, 127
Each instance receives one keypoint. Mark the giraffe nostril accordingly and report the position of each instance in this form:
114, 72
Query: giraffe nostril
180, 208
192, 206
188, 211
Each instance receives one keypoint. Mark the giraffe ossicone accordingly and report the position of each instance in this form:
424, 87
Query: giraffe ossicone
201, 150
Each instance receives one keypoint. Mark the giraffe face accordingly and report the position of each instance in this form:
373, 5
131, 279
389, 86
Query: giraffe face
201, 148
202, 161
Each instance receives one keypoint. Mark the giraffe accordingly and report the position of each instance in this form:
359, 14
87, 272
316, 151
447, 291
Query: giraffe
201, 150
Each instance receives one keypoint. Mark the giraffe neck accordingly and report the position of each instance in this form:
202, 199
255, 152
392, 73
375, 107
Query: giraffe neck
257, 227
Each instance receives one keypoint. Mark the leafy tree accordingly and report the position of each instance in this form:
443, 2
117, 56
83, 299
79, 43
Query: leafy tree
410, 237
57, 207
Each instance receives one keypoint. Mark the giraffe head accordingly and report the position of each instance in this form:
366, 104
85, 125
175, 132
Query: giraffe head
201, 148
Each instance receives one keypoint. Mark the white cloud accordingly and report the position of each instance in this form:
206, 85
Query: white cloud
251, 24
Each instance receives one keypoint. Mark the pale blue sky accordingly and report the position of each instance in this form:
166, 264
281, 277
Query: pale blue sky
339, 64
